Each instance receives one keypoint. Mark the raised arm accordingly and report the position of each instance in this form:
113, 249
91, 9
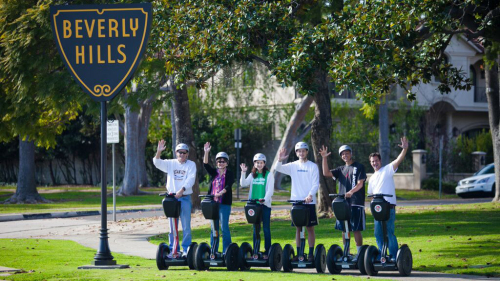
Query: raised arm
401, 157
285, 169
161, 147
324, 164
206, 148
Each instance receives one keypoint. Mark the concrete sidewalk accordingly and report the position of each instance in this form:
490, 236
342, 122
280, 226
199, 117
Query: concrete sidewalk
53, 215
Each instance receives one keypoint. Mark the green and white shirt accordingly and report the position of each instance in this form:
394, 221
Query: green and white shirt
260, 187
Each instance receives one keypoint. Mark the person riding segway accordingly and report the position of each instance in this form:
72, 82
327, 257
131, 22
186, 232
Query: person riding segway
248, 258
165, 258
257, 211
206, 256
300, 218
373, 264
384, 211
336, 259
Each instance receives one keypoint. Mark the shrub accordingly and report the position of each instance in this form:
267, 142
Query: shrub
433, 184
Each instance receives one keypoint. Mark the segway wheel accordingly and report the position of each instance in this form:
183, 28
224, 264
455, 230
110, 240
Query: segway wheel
202, 253
361, 259
287, 257
161, 254
370, 258
231, 257
320, 258
334, 255
191, 255
404, 261
275, 257
245, 253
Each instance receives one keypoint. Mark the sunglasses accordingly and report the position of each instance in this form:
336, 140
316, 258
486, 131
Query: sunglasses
182, 152
221, 162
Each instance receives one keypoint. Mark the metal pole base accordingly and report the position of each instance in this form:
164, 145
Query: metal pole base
103, 255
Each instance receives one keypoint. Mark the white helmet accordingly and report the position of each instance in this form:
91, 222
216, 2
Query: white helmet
182, 146
222, 155
344, 148
300, 145
259, 157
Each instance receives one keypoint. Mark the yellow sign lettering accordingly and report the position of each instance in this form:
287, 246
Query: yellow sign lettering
124, 57
99, 60
100, 28
109, 55
90, 54
124, 34
85, 54
134, 28
90, 30
78, 28
66, 29
113, 26
80, 53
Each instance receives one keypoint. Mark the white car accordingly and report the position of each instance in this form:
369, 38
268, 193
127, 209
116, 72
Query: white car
481, 183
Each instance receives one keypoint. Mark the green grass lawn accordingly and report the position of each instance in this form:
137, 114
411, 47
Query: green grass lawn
58, 260
78, 199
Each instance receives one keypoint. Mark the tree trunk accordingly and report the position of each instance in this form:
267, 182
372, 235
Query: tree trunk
492, 94
130, 185
26, 191
144, 118
184, 133
383, 135
289, 137
320, 135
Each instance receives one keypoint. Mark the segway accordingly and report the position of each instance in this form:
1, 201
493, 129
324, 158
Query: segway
206, 256
381, 212
165, 259
300, 218
248, 258
336, 260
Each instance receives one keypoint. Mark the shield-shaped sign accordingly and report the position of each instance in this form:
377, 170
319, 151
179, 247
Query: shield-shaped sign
101, 45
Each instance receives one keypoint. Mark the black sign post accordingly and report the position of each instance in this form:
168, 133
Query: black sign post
102, 46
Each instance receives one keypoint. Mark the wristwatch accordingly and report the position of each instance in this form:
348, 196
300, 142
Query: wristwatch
183, 189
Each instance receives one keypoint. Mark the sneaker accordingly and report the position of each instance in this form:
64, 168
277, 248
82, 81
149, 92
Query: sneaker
296, 258
393, 260
310, 258
266, 257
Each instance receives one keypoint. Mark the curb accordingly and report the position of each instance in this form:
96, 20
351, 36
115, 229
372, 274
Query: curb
18, 217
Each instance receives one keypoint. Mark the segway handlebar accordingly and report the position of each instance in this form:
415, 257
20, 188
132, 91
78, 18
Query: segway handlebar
379, 195
253, 200
166, 194
296, 201
335, 195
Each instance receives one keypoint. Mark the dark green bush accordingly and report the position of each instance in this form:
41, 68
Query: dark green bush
433, 184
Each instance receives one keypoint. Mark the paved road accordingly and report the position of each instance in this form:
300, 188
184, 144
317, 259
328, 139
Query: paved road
129, 234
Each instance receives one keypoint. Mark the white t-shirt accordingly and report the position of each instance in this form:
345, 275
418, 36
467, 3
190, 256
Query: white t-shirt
179, 175
382, 181
305, 179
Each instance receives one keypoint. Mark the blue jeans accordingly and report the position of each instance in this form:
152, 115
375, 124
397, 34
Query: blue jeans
224, 213
266, 225
185, 218
379, 234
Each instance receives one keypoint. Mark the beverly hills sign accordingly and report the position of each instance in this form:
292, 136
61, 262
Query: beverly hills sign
101, 45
